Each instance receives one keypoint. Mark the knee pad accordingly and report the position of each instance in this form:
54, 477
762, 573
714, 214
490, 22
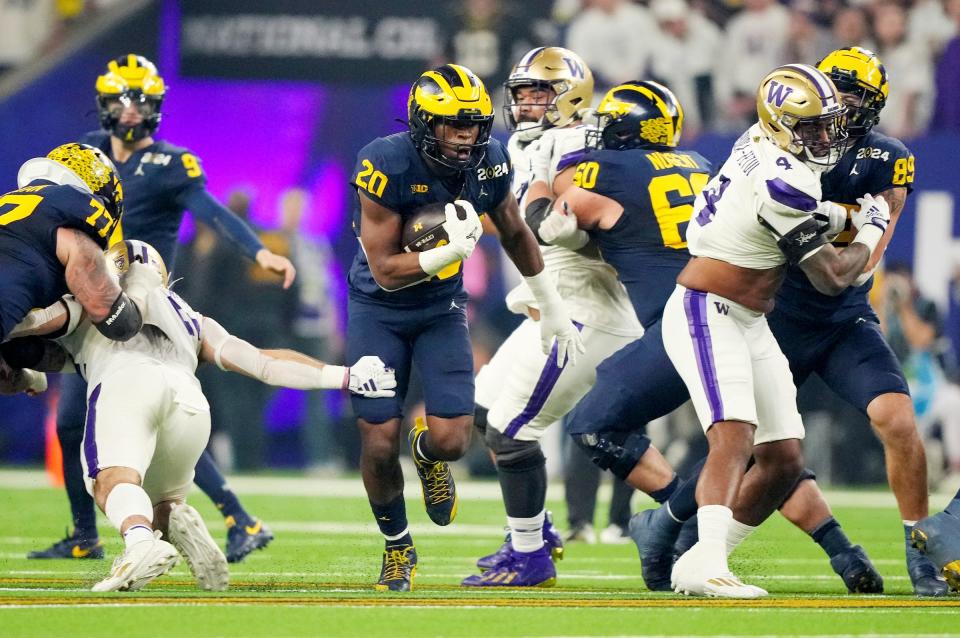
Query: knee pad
480, 419
513, 455
126, 500
618, 457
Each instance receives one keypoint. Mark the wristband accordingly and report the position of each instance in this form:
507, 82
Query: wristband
869, 235
436, 259
334, 377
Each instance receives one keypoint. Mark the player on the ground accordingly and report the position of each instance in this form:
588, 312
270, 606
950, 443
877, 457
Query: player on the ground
147, 419
521, 391
53, 230
160, 182
754, 219
831, 336
634, 195
410, 307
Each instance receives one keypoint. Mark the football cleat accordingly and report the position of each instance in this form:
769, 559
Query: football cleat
519, 569
72, 546
190, 536
436, 481
655, 544
139, 564
398, 568
243, 539
551, 539
857, 572
702, 571
689, 535
938, 537
581, 533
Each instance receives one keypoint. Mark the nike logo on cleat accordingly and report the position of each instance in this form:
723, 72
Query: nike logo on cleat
254, 529
79, 552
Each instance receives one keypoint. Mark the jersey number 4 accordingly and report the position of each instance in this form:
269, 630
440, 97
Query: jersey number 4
671, 216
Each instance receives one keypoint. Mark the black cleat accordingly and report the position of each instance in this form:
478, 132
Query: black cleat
398, 568
72, 546
857, 572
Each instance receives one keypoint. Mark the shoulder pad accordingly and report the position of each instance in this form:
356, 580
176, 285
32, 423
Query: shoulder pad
387, 155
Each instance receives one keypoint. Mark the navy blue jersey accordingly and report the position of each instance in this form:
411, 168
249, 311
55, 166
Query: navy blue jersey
648, 244
391, 172
875, 163
33, 277
160, 182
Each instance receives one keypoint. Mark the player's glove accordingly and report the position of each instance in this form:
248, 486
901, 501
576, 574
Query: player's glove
462, 234
35, 382
370, 378
873, 210
540, 154
555, 323
139, 280
871, 221
831, 217
559, 228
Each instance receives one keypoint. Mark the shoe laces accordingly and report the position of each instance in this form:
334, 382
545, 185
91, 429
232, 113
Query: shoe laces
396, 563
438, 483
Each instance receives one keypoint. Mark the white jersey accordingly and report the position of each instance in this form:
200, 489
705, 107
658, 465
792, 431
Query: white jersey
593, 294
760, 195
170, 336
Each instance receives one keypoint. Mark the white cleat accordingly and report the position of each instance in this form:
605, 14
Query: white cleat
140, 564
190, 535
703, 571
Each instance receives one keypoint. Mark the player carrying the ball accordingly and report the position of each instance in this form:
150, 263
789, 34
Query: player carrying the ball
410, 307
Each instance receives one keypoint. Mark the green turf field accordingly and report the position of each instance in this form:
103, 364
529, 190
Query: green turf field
315, 580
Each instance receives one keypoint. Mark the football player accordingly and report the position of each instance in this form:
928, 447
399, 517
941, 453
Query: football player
53, 229
411, 307
148, 421
831, 336
754, 219
640, 231
160, 181
521, 391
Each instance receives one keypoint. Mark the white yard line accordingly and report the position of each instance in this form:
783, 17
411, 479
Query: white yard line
469, 489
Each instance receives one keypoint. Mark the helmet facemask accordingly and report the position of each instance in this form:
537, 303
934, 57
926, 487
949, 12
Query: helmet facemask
528, 129
863, 103
111, 107
465, 156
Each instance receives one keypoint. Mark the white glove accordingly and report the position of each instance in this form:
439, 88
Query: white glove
554, 322
36, 382
139, 280
560, 229
540, 154
462, 234
873, 210
831, 217
370, 378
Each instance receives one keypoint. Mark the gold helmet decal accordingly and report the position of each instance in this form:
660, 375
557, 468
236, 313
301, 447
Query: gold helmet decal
800, 112
637, 115
861, 77
122, 254
561, 71
130, 80
449, 95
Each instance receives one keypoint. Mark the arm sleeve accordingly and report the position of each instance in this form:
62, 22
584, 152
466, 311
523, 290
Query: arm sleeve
211, 212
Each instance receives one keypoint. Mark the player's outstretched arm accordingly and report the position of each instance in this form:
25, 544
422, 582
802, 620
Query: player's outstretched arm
291, 369
521, 245
830, 270
55, 320
85, 270
218, 217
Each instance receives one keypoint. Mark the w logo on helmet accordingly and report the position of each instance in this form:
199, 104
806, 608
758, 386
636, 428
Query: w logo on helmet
778, 93
576, 67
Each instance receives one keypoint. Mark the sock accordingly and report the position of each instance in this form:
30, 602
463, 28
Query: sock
392, 519
136, 534
211, 480
81, 503
907, 528
422, 449
683, 501
526, 534
661, 495
713, 523
736, 534
830, 536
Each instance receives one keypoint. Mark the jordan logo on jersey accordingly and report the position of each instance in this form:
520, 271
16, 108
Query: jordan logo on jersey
722, 308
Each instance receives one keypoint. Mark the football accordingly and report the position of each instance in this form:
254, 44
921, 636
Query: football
424, 230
